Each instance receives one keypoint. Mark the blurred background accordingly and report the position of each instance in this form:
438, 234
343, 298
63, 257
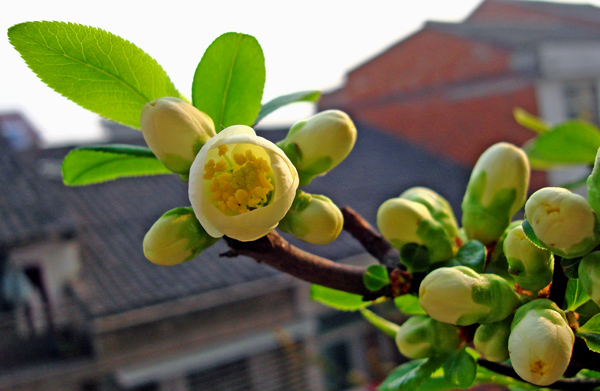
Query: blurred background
430, 86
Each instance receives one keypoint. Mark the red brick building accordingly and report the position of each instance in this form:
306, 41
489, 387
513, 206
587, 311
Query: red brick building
450, 88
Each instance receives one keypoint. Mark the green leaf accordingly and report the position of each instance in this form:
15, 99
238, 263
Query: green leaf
528, 229
415, 257
530, 121
229, 81
576, 295
472, 255
97, 70
284, 100
412, 375
96, 164
572, 142
337, 299
460, 369
590, 332
409, 305
376, 277
389, 328
570, 267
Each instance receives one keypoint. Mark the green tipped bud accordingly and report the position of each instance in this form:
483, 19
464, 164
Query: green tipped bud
437, 205
313, 218
402, 221
589, 275
530, 265
176, 237
540, 342
491, 340
496, 191
497, 263
175, 131
421, 336
593, 186
320, 143
459, 295
563, 221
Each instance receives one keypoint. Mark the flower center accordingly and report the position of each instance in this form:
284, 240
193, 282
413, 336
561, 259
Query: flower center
239, 185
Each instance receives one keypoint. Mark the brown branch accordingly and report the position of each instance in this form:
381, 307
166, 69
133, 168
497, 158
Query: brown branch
276, 252
370, 239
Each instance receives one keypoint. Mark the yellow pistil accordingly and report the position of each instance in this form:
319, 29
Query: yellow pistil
238, 187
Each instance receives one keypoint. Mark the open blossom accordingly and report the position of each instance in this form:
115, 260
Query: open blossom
241, 185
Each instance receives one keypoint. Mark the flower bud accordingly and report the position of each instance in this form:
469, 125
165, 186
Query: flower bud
497, 263
530, 265
496, 191
421, 336
459, 295
176, 237
437, 205
241, 185
589, 275
491, 340
540, 342
313, 218
175, 131
320, 143
402, 221
563, 221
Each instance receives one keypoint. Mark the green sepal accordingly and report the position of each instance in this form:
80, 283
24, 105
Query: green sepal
376, 277
570, 266
415, 257
528, 229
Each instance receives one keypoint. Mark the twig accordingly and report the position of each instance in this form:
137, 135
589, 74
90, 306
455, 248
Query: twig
370, 239
276, 252
559, 283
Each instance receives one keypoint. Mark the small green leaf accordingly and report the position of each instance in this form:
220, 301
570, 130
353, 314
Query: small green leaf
472, 255
528, 229
590, 332
415, 257
412, 375
229, 81
97, 70
570, 267
389, 328
576, 295
96, 164
460, 369
376, 277
337, 299
572, 142
409, 305
284, 100
530, 121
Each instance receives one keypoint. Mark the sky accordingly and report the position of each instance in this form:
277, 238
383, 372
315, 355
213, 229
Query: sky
308, 44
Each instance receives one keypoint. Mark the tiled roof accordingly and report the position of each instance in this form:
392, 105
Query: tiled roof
29, 211
581, 11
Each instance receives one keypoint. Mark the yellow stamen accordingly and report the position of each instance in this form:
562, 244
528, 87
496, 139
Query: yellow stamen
223, 150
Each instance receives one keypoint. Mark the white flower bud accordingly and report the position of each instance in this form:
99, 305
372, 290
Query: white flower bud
562, 221
176, 237
496, 191
422, 336
320, 143
589, 275
540, 342
459, 295
241, 185
402, 221
313, 218
175, 131
530, 265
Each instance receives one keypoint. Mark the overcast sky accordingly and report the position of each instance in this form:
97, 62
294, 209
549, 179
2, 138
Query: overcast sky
308, 44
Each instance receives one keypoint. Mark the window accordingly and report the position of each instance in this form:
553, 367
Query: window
581, 100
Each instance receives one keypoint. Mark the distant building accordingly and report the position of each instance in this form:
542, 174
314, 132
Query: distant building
82, 309
450, 88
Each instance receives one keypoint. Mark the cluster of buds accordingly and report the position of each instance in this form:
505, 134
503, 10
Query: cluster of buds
242, 185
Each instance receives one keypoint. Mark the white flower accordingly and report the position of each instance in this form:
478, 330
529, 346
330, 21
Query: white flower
241, 185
